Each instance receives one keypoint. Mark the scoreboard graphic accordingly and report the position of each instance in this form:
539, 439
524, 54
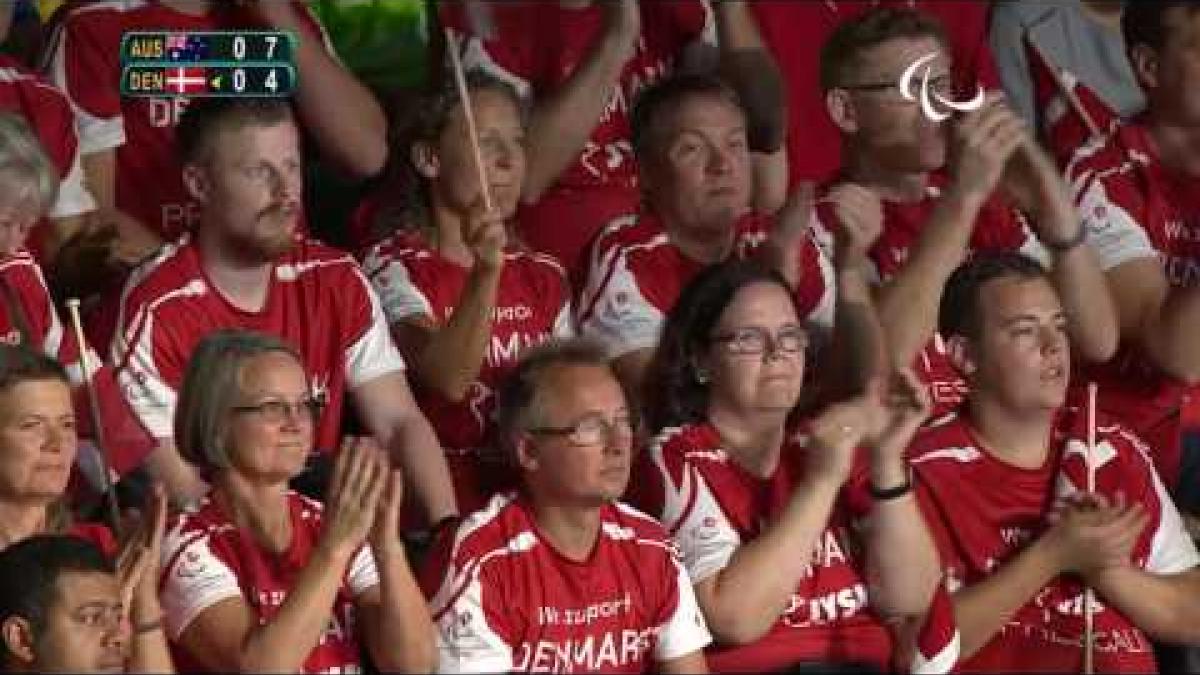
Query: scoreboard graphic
211, 63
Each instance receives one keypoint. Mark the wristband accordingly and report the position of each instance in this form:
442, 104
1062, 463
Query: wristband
148, 626
895, 492
1067, 245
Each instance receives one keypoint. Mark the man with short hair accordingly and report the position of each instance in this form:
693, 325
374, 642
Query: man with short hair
689, 134
247, 266
1138, 191
1004, 485
952, 182
61, 611
561, 577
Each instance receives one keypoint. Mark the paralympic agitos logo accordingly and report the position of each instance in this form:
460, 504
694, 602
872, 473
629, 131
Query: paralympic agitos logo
936, 107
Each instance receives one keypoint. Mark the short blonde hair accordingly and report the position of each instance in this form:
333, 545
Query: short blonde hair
26, 172
211, 385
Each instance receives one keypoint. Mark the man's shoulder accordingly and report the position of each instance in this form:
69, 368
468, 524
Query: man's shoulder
1117, 155
174, 269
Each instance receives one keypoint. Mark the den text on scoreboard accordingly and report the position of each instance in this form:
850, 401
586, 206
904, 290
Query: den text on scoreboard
209, 63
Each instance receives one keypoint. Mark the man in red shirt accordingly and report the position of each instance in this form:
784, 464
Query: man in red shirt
1138, 191
690, 137
560, 577
247, 266
127, 143
795, 32
952, 183
582, 64
1004, 485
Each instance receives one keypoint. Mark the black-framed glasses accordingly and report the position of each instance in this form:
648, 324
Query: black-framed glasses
277, 411
592, 429
756, 340
942, 85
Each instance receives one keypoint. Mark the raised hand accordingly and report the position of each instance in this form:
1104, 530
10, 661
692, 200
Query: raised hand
906, 404
359, 477
485, 236
982, 141
139, 559
385, 533
835, 435
859, 214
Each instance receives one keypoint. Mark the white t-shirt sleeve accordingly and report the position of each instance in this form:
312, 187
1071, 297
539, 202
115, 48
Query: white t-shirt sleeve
73, 196
466, 642
620, 318
373, 354
685, 631
398, 295
705, 537
1171, 548
1112, 232
564, 326
195, 581
152, 399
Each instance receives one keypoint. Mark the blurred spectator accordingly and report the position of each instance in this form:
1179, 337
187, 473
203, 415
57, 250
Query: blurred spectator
247, 266
62, 610
1082, 37
1004, 483
560, 576
950, 186
1139, 196
763, 511
581, 64
261, 579
27, 188
795, 32
689, 133
462, 297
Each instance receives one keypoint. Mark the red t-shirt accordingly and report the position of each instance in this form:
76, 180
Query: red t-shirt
1134, 208
532, 303
28, 316
635, 275
983, 511
537, 47
504, 599
85, 63
711, 506
208, 559
997, 228
319, 302
795, 32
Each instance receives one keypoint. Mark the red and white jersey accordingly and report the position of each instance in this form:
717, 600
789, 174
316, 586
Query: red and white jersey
795, 32
711, 507
537, 47
415, 282
319, 302
505, 600
28, 316
1135, 208
52, 120
85, 62
982, 512
635, 275
997, 228
207, 559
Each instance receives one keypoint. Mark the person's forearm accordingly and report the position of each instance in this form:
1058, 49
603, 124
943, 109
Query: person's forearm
450, 361
859, 351
750, 69
284, 643
755, 587
1169, 335
402, 639
562, 122
341, 115
415, 447
1165, 607
180, 479
902, 559
148, 651
908, 303
983, 608
1083, 289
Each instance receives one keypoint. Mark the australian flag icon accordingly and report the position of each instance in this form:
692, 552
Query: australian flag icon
184, 47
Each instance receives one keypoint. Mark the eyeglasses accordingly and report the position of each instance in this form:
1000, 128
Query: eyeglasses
942, 85
755, 340
276, 411
593, 429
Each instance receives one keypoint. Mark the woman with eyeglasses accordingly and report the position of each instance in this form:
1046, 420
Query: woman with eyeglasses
761, 503
259, 578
